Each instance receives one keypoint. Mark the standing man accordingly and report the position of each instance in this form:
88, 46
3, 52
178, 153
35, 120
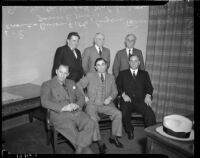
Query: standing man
65, 102
135, 90
101, 90
71, 56
90, 54
122, 56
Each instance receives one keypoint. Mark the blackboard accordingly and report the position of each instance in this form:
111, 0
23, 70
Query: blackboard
31, 35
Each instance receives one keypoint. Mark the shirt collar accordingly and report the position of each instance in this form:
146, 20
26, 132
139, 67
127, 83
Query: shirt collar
136, 71
127, 50
97, 47
101, 73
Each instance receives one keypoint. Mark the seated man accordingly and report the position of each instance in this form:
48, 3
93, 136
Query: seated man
101, 90
135, 90
65, 101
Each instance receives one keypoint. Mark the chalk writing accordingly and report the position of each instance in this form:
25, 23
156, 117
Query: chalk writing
48, 17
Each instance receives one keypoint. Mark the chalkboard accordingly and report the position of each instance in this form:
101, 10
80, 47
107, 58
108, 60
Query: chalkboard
31, 35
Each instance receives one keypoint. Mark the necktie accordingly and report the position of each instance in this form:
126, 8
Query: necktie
100, 52
102, 78
75, 53
134, 74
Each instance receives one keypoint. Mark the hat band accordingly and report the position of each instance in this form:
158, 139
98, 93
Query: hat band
176, 134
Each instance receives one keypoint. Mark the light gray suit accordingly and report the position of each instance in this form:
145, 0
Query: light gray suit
121, 61
92, 81
54, 96
89, 56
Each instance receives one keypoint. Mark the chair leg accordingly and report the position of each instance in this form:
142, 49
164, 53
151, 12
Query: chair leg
49, 137
54, 141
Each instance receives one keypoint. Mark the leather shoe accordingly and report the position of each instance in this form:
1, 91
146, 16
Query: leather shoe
116, 142
102, 149
131, 134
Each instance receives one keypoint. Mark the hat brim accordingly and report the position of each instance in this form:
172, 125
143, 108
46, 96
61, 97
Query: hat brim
160, 131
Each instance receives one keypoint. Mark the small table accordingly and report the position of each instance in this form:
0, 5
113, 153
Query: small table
158, 144
20, 99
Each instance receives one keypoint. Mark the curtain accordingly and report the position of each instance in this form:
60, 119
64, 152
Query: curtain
170, 58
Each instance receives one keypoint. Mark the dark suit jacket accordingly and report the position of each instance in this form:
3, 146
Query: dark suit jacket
137, 88
64, 55
121, 61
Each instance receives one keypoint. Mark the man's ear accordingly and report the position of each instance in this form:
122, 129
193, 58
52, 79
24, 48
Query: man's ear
56, 72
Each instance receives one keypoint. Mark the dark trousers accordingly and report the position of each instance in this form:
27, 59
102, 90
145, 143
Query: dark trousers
127, 108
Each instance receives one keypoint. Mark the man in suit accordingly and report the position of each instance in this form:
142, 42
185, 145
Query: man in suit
90, 54
101, 90
65, 101
135, 90
121, 57
71, 56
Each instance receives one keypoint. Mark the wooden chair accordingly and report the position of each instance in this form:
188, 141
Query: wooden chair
53, 136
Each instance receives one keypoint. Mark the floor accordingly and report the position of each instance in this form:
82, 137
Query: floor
30, 138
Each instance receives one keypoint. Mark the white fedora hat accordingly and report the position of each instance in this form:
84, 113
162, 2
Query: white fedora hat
176, 127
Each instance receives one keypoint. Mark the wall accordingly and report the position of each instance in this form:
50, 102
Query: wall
32, 34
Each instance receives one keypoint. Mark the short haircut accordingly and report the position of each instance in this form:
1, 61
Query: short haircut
61, 64
99, 59
134, 54
131, 34
73, 34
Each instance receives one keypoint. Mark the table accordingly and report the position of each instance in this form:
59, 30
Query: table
158, 144
20, 99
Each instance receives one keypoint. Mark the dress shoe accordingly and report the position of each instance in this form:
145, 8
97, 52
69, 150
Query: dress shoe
102, 149
116, 142
131, 134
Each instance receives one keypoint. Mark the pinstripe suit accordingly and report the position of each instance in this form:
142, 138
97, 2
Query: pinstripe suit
93, 83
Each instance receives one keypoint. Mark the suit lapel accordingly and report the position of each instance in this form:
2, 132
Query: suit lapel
68, 91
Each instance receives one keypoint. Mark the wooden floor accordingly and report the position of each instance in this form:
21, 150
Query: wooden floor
31, 139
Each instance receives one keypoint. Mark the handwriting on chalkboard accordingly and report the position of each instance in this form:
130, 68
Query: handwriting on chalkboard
72, 17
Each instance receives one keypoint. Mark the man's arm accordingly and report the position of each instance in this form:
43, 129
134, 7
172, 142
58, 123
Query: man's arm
85, 60
48, 101
83, 82
80, 97
142, 67
148, 85
116, 66
57, 60
108, 60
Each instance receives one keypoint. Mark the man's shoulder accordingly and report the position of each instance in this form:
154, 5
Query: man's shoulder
136, 50
106, 49
121, 51
89, 48
49, 82
69, 81
124, 72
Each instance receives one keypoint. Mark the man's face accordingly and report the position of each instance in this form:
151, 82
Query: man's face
99, 40
73, 42
130, 41
62, 72
101, 66
134, 62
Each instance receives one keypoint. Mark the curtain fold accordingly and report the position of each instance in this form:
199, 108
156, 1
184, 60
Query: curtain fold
170, 58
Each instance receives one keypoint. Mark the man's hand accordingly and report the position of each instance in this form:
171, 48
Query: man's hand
108, 100
147, 100
126, 97
70, 107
